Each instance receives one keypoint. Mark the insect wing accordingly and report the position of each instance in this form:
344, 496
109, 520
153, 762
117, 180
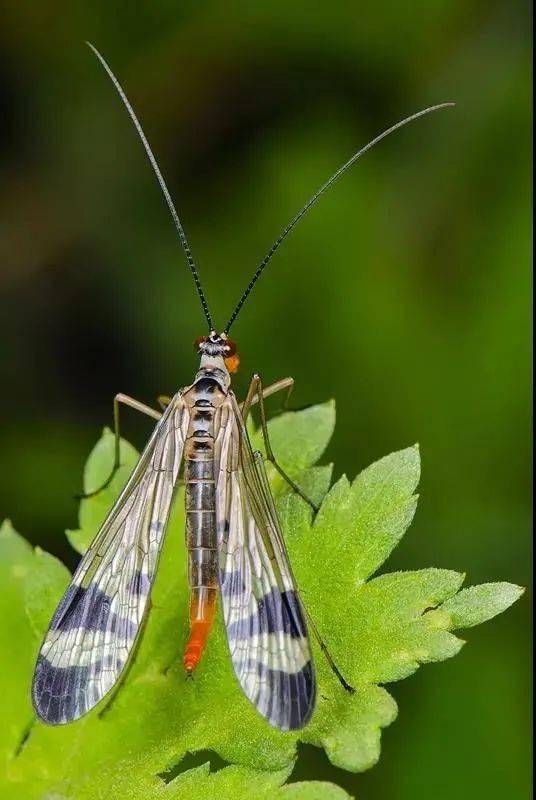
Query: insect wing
263, 615
97, 622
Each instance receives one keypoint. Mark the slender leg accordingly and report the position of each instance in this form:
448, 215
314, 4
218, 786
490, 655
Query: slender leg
253, 397
331, 661
135, 404
289, 388
256, 392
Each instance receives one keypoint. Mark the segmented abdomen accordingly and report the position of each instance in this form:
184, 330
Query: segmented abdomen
201, 539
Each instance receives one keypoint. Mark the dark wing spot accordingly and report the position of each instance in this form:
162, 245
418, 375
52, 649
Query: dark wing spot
58, 694
90, 610
277, 612
140, 584
291, 696
232, 584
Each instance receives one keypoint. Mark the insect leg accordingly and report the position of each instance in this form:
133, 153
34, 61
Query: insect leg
269, 452
278, 386
251, 398
135, 404
323, 646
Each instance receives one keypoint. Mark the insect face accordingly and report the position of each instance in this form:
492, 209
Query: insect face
217, 344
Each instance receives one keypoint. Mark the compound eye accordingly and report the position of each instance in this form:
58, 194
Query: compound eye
230, 348
198, 342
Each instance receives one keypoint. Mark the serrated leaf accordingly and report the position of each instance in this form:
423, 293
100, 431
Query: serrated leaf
478, 604
239, 783
378, 630
351, 729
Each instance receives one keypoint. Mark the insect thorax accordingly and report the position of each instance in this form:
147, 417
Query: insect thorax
213, 373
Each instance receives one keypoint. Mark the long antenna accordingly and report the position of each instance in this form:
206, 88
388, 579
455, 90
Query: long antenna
258, 272
162, 183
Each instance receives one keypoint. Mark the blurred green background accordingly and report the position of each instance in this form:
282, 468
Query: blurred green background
404, 293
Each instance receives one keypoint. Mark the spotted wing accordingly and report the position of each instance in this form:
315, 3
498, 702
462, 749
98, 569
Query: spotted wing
97, 622
263, 615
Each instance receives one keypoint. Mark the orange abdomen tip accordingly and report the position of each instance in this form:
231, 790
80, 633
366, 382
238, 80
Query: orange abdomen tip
196, 644
202, 611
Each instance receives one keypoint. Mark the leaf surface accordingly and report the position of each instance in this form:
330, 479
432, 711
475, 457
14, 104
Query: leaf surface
379, 629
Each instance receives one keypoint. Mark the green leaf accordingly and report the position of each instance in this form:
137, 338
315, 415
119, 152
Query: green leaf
240, 783
97, 470
378, 629
311, 790
299, 438
48, 578
31, 583
478, 604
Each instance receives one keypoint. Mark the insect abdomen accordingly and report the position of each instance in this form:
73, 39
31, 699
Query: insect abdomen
200, 530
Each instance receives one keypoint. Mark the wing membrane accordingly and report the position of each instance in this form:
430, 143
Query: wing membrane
263, 616
97, 622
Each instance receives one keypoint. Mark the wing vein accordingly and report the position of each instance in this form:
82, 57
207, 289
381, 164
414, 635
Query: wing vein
93, 633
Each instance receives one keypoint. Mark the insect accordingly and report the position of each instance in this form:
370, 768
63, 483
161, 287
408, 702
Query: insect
236, 550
